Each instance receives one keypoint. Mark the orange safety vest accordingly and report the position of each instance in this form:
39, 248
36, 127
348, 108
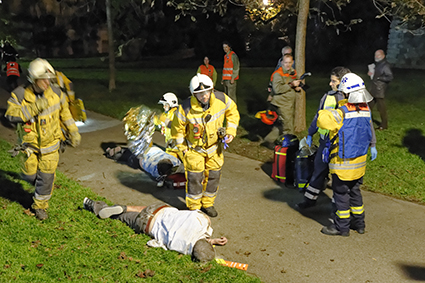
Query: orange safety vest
228, 67
12, 69
280, 71
207, 71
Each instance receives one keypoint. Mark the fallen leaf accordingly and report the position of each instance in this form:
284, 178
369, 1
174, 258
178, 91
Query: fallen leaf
141, 274
206, 269
122, 256
149, 273
40, 265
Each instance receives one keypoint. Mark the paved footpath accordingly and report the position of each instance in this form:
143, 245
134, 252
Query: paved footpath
258, 217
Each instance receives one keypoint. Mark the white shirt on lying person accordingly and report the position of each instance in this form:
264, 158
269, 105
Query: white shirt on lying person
179, 230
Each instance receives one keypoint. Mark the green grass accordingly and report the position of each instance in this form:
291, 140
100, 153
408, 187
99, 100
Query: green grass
398, 170
72, 244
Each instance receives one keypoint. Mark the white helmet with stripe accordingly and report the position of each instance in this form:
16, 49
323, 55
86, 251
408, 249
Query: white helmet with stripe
354, 85
170, 99
200, 83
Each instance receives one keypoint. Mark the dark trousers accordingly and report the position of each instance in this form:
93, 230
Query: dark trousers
138, 220
320, 173
349, 204
380, 102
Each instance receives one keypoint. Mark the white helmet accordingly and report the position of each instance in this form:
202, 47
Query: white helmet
200, 83
170, 99
354, 85
40, 69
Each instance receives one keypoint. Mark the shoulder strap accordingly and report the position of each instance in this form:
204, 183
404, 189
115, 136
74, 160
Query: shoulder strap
186, 105
56, 90
20, 93
220, 96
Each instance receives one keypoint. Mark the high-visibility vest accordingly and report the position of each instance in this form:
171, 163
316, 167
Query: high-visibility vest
228, 67
280, 71
209, 71
12, 69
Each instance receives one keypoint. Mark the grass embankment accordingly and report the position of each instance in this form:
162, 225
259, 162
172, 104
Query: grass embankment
75, 245
398, 171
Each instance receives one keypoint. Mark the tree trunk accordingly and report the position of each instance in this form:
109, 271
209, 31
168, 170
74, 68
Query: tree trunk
110, 47
303, 9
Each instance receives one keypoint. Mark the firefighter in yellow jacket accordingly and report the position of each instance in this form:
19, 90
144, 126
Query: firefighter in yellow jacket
198, 128
351, 134
170, 103
38, 110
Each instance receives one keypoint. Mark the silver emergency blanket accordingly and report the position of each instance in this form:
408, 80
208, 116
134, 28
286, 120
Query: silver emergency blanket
139, 128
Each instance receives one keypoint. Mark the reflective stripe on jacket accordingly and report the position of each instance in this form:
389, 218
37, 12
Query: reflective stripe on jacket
43, 130
228, 66
196, 128
347, 169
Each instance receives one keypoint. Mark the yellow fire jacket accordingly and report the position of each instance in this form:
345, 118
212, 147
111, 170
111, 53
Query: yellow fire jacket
347, 169
193, 127
42, 131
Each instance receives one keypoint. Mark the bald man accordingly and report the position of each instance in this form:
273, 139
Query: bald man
380, 80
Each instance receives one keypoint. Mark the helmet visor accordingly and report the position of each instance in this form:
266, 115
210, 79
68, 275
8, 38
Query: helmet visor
202, 87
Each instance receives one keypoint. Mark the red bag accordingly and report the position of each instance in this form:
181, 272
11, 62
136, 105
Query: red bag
279, 164
179, 180
284, 164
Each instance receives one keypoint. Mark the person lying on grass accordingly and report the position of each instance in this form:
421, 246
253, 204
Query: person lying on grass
185, 231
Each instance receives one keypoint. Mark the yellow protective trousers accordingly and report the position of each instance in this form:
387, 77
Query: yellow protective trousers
203, 177
39, 170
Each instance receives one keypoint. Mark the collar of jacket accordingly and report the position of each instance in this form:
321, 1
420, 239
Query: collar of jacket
196, 105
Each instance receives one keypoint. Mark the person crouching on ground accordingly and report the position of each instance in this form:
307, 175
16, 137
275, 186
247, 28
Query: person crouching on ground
184, 231
351, 133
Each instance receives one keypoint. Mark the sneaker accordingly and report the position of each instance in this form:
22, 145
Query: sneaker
93, 206
210, 211
332, 231
88, 204
109, 211
160, 183
41, 214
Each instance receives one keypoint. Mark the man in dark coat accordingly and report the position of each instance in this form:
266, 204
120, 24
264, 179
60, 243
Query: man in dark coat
381, 77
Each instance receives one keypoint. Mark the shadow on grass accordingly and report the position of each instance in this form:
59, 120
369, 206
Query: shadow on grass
414, 141
413, 272
14, 191
255, 128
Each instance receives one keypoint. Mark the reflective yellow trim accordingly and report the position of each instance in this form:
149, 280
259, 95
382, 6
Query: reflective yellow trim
357, 209
343, 213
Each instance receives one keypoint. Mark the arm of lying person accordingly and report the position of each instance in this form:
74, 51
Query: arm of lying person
218, 241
